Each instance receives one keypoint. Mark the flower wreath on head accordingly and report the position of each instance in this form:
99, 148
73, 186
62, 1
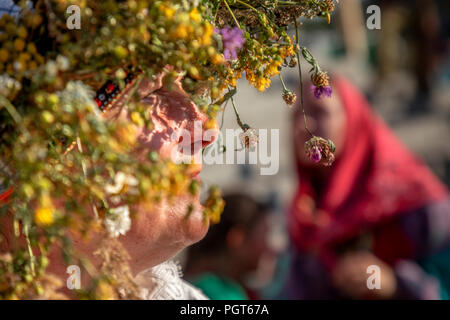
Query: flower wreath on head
48, 108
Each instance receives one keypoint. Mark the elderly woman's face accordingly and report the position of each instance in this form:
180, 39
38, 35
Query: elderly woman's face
325, 118
162, 231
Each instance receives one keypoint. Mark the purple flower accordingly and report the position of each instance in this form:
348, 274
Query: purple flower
232, 41
316, 155
321, 91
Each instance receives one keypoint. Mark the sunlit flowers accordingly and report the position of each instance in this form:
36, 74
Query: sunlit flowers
122, 183
320, 150
117, 221
77, 94
232, 41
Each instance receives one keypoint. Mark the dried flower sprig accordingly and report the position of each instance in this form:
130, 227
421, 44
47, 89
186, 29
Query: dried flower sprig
288, 96
320, 150
248, 137
320, 80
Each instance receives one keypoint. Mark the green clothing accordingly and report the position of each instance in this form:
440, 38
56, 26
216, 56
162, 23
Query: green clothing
219, 288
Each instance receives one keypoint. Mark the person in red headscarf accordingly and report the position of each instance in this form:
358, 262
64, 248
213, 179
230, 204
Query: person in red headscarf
364, 227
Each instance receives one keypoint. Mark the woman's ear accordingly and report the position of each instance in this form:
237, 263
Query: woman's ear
235, 237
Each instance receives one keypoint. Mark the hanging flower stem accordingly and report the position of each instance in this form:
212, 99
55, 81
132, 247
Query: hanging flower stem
232, 14
30, 251
282, 83
4, 103
238, 119
247, 5
297, 41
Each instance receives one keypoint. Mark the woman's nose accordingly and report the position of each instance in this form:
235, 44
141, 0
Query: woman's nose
200, 132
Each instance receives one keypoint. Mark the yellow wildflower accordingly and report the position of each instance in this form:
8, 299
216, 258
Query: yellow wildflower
195, 15
22, 32
137, 119
43, 216
180, 32
272, 68
210, 124
19, 44
4, 55
104, 291
262, 83
31, 48
218, 58
207, 34
124, 138
168, 11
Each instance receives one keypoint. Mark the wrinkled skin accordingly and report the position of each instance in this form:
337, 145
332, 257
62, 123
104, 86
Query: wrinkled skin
157, 236
160, 232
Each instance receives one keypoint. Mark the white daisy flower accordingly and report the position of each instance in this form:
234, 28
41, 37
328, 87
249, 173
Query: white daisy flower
51, 68
78, 94
8, 85
62, 62
122, 183
118, 221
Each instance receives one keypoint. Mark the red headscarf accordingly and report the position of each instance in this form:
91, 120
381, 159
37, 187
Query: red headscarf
374, 179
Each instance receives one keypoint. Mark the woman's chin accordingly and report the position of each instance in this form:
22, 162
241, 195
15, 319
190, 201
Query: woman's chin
159, 233
194, 225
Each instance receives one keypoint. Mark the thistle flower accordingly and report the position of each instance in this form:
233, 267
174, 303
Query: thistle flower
321, 91
289, 97
320, 150
315, 155
118, 221
249, 137
232, 41
321, 84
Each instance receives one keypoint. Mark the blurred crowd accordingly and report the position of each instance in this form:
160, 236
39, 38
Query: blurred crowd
376, 224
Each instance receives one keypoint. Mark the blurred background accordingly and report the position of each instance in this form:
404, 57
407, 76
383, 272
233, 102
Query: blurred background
402, 68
